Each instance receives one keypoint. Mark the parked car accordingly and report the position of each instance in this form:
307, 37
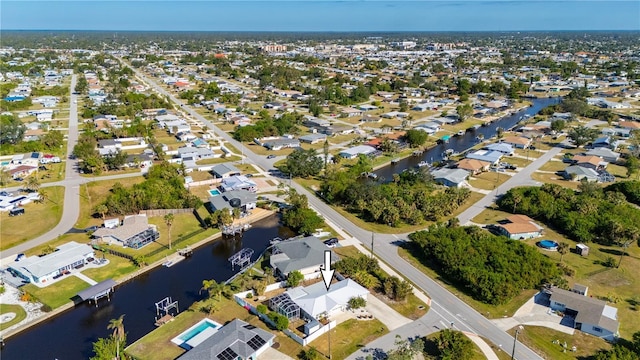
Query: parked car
16, 212
91, 228
271, 157
19, 257
331, 242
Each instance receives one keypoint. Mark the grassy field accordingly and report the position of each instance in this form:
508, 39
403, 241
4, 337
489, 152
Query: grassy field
21, 314
488, 180
542, 339
519, 162
59, 293
218, 160
36, 220
116, 268
349, 336
553, 166
555, 179
95, 193
618, 284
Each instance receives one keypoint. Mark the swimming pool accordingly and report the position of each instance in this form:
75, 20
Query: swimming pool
214, 192
196, 334
548, 244
4, 163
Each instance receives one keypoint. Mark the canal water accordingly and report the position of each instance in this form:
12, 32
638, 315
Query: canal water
469, 139
71, 334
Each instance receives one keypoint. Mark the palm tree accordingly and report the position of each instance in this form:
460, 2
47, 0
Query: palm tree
117, 325
42, 196
33, 183
236, 213
102, 209
168, 220
563, 248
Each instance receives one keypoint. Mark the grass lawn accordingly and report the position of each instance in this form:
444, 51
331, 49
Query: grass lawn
533, 154
157, 344
502, 355
200, 175
620, 172
555, 179
490, 311
519, 162
36, 220
58, 294
115, 172
541, 338
218, 160
349, 336
95, 193
117, 268
554, 166
488, 180
21, 314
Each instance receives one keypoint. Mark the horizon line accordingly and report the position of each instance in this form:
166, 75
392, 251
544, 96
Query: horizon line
325, 31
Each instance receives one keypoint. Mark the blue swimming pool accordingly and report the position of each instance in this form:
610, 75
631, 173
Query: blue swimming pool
196, 334
214, 192
4, 163
548, 244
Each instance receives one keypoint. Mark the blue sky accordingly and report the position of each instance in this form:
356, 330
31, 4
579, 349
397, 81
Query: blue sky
320, 15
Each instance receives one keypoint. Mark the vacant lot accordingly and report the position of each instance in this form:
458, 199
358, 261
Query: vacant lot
37, 219
95, 193
542, 339
488, 180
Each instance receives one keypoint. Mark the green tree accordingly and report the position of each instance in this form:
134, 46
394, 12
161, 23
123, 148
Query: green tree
558, 125
102, 209
310, 354
406, 349
168, 220
304, 163
582, 135
11, 129
281, 322
32, 184
294, 278
108, 349
53, 139
454, 345
117, 325
416, 138
81, 85
464, 111
357, 302
632, 164
563, 249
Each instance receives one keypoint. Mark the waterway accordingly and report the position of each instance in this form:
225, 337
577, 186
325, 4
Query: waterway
71, 334
469, 139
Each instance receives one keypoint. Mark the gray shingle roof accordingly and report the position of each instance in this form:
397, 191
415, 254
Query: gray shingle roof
590, 310
299, 254
236, 336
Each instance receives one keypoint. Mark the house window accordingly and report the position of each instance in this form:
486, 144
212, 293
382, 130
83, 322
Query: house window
597, 329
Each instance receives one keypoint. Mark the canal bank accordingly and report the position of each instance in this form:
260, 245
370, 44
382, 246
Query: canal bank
70, 332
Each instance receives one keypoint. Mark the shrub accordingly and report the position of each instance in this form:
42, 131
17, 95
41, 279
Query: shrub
609, 262
262, 309
294, 278
249, 295
281, 322
357, 302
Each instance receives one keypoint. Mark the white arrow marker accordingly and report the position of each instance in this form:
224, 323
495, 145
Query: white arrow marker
325, 269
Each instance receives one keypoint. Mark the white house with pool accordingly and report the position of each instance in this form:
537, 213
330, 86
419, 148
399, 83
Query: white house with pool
238, 340
42, 269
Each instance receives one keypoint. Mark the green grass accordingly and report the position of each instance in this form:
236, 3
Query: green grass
95, 193
349, 336
432, 350
488, 180
553, 166
117, 268
36, 220
21, 314
157, 344
554, 179
57, 294
519, 162
541, 338
218, 160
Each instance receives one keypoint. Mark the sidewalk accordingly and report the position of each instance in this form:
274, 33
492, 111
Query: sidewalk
484, 347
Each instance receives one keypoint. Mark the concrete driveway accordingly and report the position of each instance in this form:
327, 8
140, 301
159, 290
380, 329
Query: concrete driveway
391, 318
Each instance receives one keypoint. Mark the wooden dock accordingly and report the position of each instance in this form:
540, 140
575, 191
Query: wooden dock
163, 320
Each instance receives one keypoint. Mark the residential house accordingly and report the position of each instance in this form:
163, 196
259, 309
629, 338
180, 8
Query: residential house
313, 138
351, 112
425, 106
518, 142
41, 269
22, 171
519, 227
607, 155
501, 147
358, 150
631, 125
602, 142
274, 105
578, 173
242, 199
368, 118
593, 162
238, 182
492, 157
278, 143
135, 232
237, 340
473, 166
316, 301
314, 122
450, 177
338, 130
367, 107
589, 315
224, 170
305, 255
196, 153
621, 132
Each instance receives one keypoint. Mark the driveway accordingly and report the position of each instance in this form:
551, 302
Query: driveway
383, 312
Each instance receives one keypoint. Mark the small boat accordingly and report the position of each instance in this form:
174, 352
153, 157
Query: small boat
461, 132
448, 152
167, 263
423, 164
275, 240
477, 126
395, 161
372, 175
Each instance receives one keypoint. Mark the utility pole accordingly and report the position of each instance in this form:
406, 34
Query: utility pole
372, 244
515, 340
329, 324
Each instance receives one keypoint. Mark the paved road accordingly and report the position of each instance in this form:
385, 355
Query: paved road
71, 207
521, 178
445, 305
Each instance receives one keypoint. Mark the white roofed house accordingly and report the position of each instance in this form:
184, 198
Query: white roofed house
451, 177
238, 182
304, 255
316, 302
224, 170
354, 152
42, 269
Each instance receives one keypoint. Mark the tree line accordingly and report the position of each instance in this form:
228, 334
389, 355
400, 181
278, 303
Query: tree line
588, 215
493, 269
411, 197
268, 126
163, 188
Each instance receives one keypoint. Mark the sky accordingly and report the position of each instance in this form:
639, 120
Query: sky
320, 15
